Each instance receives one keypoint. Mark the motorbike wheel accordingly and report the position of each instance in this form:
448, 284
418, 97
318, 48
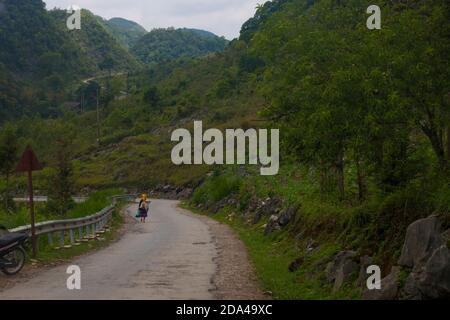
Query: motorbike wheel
17, 258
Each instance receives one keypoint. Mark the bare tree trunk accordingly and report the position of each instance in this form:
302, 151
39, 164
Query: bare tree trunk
6, 195
98, 119
448, 145
340, 176
362, 188
436, 143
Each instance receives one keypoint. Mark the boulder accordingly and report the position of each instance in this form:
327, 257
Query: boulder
410, 290
434, 280
341, 268
389, 287
295, 265
266, 208
422, 238
272, 225
364, 262
286, 216
344, 273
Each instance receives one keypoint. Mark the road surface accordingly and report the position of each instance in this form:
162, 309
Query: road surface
170, 257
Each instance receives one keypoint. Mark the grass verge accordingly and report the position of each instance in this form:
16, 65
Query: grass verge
272, 256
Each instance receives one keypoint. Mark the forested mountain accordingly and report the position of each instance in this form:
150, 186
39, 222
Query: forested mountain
97, 45
161, 45
125, 31
41, 58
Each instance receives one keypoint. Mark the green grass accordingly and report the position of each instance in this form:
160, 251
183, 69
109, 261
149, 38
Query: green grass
96, 202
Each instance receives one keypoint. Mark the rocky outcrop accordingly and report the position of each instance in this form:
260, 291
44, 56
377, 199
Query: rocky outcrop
277, 222
341, 269
267, 207
364, 263
422, 238
272, 225
426, 257
171, 192
426, 253
432, 281
389, 287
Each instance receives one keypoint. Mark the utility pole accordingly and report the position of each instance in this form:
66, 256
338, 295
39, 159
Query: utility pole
82, 102
98, 119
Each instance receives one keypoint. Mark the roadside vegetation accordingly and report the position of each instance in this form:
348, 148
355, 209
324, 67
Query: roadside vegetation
21, 215
291, 261
48, 254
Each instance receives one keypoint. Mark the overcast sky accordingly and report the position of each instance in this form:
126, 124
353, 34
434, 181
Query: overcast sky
223, 17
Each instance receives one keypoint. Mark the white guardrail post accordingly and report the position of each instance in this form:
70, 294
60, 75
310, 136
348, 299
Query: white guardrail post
92, 225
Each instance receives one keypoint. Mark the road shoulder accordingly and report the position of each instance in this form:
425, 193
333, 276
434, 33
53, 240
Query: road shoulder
235, 278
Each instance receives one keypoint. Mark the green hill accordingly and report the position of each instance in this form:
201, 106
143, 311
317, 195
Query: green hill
125, 31
161, 45
98, 46
41, 59
37, 59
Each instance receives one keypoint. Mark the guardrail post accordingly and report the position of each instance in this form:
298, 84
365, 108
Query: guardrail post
61, 239
50, 239
80, 234
72, 238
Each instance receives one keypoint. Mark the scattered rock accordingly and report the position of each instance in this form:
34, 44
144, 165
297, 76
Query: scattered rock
389, 287
422, 238
286, 216
268, 207
295, 265
272, 225
311, 245
185, 193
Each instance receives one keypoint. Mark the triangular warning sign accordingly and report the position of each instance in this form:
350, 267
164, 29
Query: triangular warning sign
28, 162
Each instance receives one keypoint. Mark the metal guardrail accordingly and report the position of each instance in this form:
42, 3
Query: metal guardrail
87, 228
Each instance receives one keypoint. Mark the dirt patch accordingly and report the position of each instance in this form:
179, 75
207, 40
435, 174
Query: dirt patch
235, 278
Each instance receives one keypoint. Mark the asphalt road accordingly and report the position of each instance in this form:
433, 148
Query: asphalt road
169, 257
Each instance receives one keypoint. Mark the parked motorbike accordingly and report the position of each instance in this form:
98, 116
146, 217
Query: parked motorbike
12, 253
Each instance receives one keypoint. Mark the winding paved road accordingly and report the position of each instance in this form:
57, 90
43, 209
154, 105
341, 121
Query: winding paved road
169, 257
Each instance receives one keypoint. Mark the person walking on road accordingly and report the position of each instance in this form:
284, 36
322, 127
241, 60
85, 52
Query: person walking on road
143, 208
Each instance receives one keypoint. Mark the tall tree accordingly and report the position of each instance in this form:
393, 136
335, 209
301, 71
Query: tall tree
61, 181
8, 158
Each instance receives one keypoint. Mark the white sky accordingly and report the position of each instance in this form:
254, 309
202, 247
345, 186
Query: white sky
223, 17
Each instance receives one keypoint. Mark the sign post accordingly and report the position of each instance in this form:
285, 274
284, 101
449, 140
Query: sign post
29, 163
